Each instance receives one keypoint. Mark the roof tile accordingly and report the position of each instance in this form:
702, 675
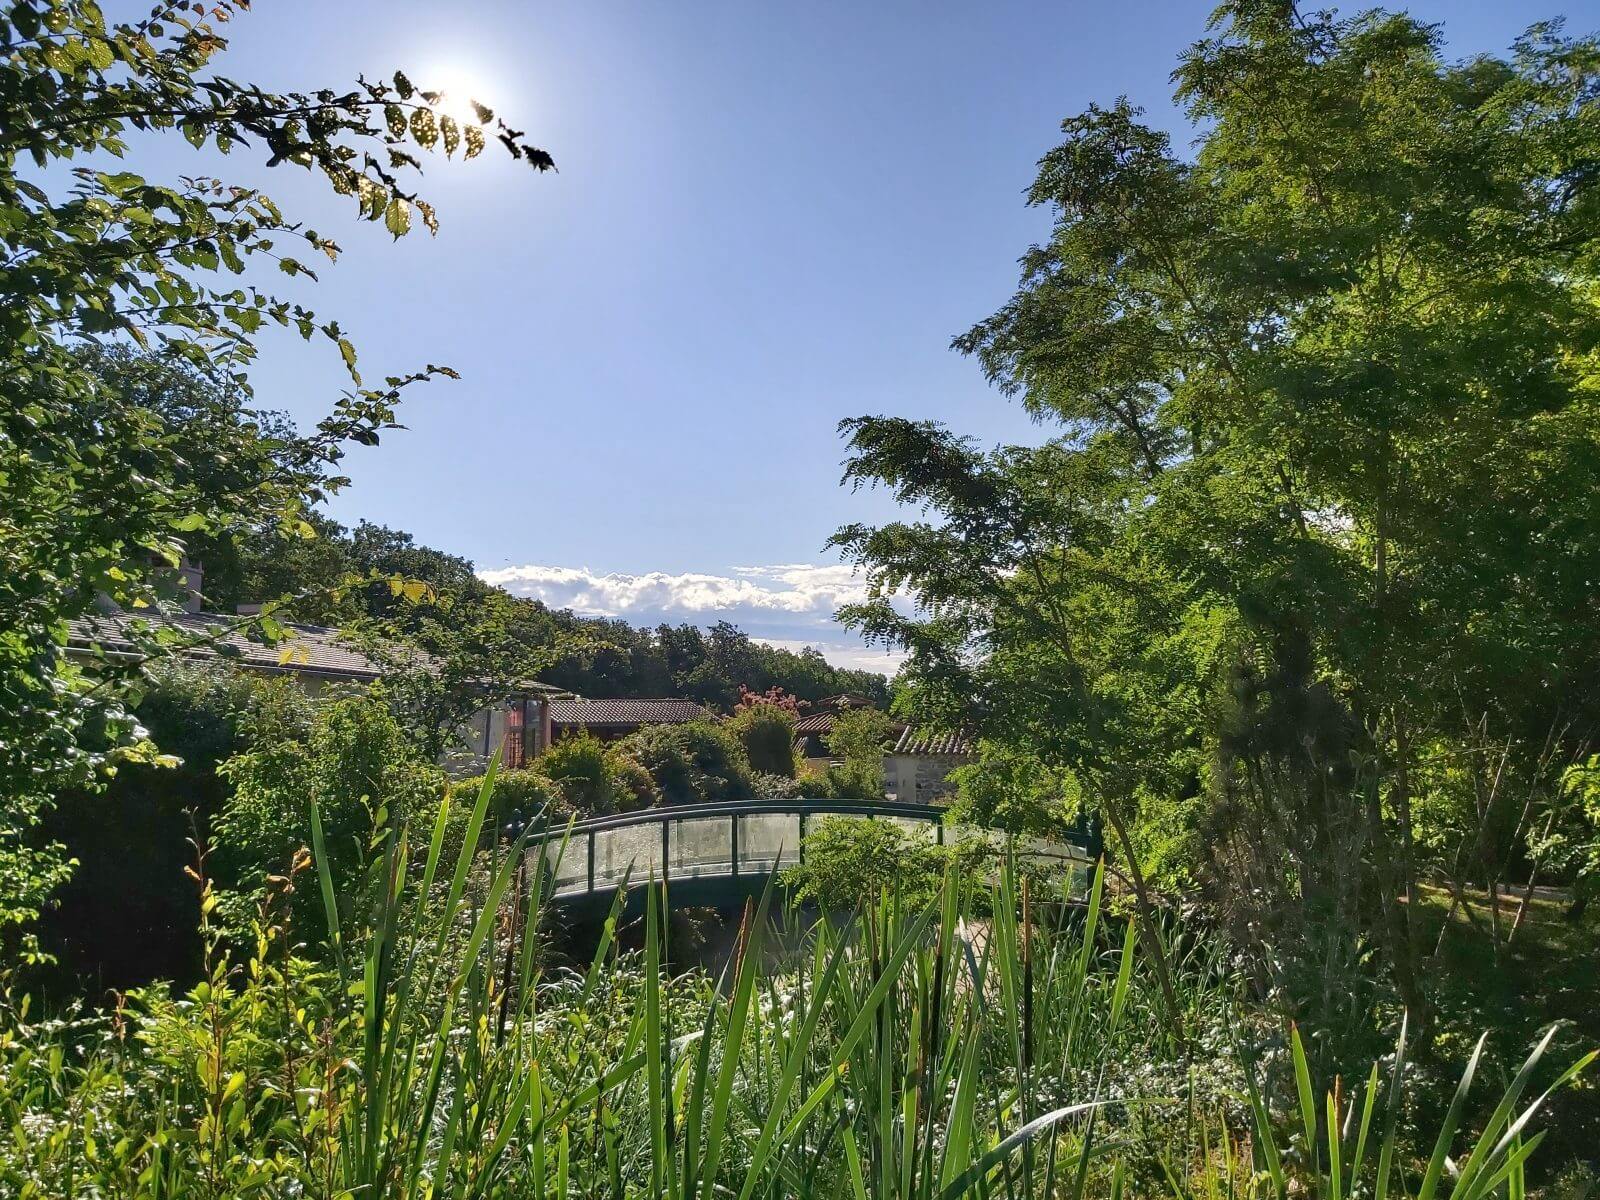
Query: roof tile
913, 743
626, 712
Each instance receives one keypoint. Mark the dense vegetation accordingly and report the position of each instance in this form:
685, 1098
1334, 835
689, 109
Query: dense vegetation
1299, 594
1297, 599
593, 656
903, 1054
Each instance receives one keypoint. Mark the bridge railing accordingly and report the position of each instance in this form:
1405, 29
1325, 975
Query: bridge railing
750, 838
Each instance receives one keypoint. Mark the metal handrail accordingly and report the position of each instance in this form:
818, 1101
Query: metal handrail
1083, 838
739, 808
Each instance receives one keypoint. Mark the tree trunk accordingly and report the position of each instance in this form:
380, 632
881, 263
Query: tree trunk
1147, 929
1396, 928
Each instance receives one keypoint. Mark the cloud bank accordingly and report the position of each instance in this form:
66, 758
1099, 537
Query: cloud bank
788, 604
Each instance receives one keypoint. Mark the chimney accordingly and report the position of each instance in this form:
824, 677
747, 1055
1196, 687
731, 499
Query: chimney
192, 578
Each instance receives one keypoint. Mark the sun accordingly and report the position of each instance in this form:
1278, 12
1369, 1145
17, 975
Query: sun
458, 87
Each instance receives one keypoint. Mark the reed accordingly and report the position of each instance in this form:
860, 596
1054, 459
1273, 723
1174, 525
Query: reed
900, 1054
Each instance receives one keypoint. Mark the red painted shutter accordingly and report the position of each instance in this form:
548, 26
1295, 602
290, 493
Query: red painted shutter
512, 756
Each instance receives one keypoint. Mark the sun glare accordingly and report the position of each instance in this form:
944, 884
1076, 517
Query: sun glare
459, 87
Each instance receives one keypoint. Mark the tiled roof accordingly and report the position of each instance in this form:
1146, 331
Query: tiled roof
821, 722
940, 743
313, 649
625, 712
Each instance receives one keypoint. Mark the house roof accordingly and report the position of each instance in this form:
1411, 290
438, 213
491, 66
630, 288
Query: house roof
913, 743
311, 649
625, 712
821, 722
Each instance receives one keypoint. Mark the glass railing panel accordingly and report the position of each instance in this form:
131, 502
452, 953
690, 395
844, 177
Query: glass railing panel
571, 873
632, 852
768, 841
700, 846
914, 828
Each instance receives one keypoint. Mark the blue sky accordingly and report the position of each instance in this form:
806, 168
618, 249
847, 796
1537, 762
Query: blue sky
767, 217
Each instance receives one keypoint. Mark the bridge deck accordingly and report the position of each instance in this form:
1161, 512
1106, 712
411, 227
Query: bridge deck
746, 842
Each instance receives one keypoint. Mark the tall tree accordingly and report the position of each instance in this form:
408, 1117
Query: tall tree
98, 496
1330, 442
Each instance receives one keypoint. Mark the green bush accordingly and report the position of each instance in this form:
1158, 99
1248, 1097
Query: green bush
1010, 790
775, 787
814, 785
843, 781
130, 913
697, 763
517, 795
1060, 1068
355, 763
631, 785
580, 769
850, 860
858, 740
767, 733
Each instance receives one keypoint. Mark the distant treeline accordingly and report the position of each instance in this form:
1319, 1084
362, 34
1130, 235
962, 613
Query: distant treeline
596, 657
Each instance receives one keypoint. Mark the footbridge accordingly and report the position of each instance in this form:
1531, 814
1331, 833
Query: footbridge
717, 854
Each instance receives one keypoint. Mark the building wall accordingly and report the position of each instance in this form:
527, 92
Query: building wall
920, 778
486, 732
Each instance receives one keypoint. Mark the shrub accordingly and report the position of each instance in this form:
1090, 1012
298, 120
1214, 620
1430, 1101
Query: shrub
631, 785
775, 787
858, 739
691, 764
842, 781
767, 733
517, 795
579, 767
130, 914
1011, 790
859, 734
849, 860
358, 766
814, 785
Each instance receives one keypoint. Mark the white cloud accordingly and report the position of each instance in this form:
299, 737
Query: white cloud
853, 655
787, 604
788, 588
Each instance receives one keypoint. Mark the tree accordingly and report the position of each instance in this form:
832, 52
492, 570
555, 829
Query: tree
1317, 387
767, 733
858, 739
1013, 791
606, 658
1568, 839
99, 497
851, 860
446, 657
697, 763
130, 914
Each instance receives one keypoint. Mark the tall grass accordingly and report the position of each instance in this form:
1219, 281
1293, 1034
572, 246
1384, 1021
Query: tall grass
901, 1054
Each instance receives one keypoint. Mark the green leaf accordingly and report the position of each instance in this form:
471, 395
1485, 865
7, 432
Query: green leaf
424, 127
397, 218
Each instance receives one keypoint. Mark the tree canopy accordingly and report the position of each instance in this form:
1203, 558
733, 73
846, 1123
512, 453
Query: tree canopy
102, 499
1326, 455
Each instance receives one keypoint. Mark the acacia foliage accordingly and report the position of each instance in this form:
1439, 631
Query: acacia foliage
1325, 463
